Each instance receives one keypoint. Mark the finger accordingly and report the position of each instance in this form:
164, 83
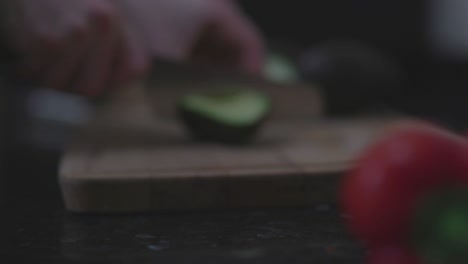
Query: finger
15, 29
251, 53
76, 44
14, 25
97, 68
41, 56
44, 41
247, 46
133, 61
240, 36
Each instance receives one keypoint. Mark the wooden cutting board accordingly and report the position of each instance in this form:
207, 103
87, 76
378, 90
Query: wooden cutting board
135, 156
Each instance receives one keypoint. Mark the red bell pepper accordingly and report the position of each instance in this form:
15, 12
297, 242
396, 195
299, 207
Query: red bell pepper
407, 196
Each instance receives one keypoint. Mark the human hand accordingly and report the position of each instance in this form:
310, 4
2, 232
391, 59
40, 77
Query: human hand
79, 45
211, 32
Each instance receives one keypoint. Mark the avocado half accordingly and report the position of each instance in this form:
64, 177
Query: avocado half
228, 116
279, 68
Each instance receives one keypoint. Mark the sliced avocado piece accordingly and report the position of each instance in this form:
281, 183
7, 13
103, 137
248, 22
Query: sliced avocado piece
279, 68
228, 115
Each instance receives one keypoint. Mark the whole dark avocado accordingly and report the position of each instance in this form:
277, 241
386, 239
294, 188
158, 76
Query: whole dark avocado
354, 76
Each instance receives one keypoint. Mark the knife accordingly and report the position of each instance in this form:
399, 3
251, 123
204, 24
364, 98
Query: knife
49, 117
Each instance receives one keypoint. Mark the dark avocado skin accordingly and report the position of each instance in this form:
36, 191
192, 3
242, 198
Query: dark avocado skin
203, 128
354, 76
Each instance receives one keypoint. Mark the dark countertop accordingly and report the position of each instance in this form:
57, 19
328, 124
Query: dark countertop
37, 229
40, 231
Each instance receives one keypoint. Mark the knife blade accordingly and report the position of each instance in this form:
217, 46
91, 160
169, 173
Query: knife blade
51, 117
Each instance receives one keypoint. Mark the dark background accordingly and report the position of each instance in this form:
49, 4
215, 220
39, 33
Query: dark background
397, 27
34, 228
434, 84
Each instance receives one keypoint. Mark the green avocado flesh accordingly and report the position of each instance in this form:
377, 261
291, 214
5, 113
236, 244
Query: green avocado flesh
440, 231
236, 108
278, 68
229, 114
